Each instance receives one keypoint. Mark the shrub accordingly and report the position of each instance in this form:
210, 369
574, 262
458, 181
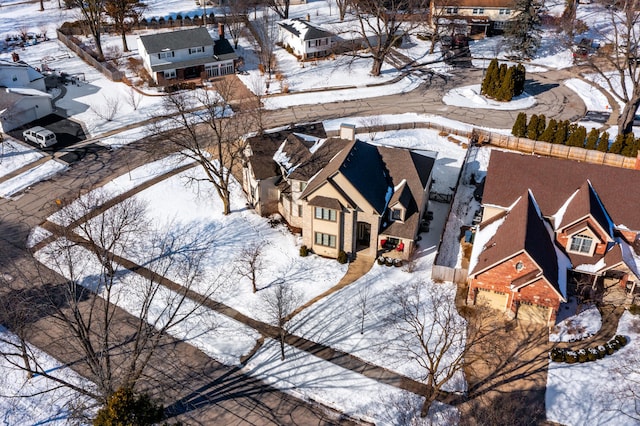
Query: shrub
549, 131
610, 349
570, 357
582, 356
532, 128
380, 260
618, 144
592, 354
602, 351
622, 340
304, 251
520, 126
557, 355
634, 309
388, 261
127, 407
592, 139
397, 263
342, 257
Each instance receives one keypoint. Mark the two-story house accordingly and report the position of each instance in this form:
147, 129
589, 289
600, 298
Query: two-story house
305, 40
487, 17
186, 54
546, 220
19, 74
344, 194
23, 95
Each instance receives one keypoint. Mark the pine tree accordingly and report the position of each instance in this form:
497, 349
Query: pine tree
549, 132
592, 139
507, 87
523, 32
520, 78
618, 144
577, 136
490, 74
532, 128
542, 125
629, 149
519, 128
560, 137
603, 143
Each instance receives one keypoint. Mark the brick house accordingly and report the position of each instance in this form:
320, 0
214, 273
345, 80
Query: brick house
570, 219
186, 54
343, 194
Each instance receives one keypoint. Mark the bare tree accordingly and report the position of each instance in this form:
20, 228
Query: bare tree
266, 29
281, 7
343, 6
91, 251
41, 5
134, 98
279, 302
205, 128
124, 13
432, 334
236, 19
250, 263
91, 12
108, 109
383, 24
618, 61
362, 301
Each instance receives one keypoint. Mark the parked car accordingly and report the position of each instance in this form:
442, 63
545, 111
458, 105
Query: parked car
40, 135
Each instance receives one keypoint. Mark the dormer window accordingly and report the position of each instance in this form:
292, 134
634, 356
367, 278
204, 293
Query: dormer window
581, 244
396, 214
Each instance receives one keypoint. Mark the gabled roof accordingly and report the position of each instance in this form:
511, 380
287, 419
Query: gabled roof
585, 202
304, 30
176, 40
32, 73
523, 230
553, 181
315, 161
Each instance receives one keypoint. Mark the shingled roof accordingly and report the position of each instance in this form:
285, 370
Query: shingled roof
304, 30
523, 230
553, 181
583, 203
176, 40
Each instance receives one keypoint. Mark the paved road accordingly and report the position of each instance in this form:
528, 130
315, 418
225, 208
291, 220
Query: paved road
220, 393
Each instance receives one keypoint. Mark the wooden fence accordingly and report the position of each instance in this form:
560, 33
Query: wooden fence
445, 273
106, 68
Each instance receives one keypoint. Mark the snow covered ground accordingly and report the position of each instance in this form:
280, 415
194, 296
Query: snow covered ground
470, 97
602, 392
580, 326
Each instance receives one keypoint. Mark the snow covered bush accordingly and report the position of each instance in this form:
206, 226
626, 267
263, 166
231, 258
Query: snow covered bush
571, 357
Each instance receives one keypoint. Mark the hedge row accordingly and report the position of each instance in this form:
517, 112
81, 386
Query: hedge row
589, 354
503, 83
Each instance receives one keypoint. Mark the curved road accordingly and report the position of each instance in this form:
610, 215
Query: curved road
219, 393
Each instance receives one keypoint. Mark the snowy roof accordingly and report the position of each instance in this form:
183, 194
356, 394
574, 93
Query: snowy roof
553, 181
583, 203
26, 91
176, 40
304, 30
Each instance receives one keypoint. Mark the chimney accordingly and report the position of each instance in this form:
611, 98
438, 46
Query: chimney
308, 18
221, 30
348, 132
638, 161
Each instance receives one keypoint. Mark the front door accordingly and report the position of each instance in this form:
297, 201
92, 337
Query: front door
364, 235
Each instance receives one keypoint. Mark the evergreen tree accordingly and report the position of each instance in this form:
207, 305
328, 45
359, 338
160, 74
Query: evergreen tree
603, 143
523, 32
124, 407
592, 139
542, 125
507, 86
560, 137
629, 149
532, 128
577, 135
618, 144
550, 131
489, 77
519, 128
520, 78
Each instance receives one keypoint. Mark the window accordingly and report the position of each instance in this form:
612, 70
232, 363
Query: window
325, 214
581, 244
303, 186
163, 55
300, 211
170, 74
452, 10
505, 11
396, 214
326, 240
519, 266
478, 11
198, 49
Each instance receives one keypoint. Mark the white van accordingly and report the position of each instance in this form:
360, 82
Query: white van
40, 135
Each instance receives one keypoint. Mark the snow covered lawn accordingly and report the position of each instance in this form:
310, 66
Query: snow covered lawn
30, 177
469, 96
580, 326
602, 392
15, 155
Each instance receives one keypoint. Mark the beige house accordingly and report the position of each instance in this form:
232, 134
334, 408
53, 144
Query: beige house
345, 194
474, 17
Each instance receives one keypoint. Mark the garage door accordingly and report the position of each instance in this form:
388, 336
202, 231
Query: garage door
533, 313
492, 299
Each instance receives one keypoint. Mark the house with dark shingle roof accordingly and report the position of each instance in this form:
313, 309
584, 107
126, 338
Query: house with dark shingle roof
344, 194
186, 54
486, 17
305, 39
590, 229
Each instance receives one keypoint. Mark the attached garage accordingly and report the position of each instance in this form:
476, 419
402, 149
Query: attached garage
533, 313
492, 299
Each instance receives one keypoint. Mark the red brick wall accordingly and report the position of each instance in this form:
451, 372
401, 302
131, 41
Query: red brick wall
499, 279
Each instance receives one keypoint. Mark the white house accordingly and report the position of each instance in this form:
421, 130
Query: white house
305, 39
19, 74
19, 106
186, 54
